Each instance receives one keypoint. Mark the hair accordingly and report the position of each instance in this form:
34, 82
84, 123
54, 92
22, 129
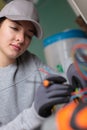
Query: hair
2, 19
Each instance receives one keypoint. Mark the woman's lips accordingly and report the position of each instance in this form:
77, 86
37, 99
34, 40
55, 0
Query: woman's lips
16, 47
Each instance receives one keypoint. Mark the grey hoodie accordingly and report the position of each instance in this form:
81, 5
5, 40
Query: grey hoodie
18, 85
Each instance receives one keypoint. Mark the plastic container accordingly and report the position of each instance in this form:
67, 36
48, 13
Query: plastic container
57, 47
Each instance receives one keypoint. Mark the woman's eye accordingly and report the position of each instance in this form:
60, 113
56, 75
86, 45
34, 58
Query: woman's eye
29, 36
14, 28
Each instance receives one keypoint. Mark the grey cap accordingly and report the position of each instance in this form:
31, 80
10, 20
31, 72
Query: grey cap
22, 10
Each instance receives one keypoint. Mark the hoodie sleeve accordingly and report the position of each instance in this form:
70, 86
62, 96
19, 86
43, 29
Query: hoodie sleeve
27, 120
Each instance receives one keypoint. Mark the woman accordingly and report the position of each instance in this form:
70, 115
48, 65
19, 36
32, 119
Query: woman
24, 101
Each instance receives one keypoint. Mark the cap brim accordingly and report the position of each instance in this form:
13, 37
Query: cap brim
39, 32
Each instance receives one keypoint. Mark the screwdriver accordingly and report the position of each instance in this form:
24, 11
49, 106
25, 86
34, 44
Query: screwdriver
52, 80
46, 83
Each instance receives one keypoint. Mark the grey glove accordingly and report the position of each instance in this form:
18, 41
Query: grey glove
75, 79
55, 93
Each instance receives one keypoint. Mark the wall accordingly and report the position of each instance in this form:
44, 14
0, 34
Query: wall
55, 16
1, 3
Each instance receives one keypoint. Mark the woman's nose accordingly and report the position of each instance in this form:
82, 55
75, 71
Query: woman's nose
20, 37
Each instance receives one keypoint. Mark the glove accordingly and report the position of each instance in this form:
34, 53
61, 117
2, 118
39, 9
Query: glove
75, 79
55, 93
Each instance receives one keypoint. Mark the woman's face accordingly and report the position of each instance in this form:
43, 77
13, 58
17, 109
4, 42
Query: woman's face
15, 37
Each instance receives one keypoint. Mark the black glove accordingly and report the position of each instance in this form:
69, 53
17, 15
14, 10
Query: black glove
55, 93
75, 79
